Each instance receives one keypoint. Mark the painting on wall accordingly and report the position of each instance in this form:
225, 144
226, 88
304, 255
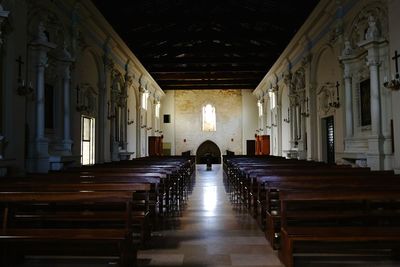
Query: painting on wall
365, 102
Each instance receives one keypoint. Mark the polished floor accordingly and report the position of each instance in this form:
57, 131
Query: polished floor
210, 232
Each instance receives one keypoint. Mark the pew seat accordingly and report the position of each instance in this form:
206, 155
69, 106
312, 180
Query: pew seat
56, 233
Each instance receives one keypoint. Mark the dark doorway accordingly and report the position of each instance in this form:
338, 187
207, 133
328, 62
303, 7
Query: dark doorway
250, 147
208, 150
330, 139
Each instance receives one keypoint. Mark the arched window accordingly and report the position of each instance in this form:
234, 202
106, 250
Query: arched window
272, 99
260, 108
209, 118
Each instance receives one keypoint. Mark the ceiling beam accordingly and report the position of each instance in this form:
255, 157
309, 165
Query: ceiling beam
206, 82
211, 87
206, 69
166, 76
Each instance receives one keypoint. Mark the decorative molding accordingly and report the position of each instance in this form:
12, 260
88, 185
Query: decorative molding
326, 95
87, 99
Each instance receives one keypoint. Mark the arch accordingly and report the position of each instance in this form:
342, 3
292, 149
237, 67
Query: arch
88, 69
208, 148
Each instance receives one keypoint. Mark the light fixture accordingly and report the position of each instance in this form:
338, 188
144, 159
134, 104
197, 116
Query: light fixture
394, 83
287, 120
130, 121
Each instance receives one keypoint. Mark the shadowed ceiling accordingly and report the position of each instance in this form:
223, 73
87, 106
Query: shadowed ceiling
207, 44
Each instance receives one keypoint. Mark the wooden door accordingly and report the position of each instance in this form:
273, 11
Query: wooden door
251, 147
330, 140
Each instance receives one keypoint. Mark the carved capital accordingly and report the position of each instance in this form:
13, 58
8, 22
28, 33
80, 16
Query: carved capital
347, 72
306, 60
108, 63
128, 81
373, 61
287, 78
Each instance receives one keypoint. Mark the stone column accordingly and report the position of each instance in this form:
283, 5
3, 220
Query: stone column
376, 128
65, 65
348, 101
373, 44
292, 119
348, 59
40, 151
113, 119
142, 137
124, 115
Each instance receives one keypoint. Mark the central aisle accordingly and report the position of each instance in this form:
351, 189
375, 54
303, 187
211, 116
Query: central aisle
210, 232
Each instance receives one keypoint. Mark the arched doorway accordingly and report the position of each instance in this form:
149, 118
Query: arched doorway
208, 149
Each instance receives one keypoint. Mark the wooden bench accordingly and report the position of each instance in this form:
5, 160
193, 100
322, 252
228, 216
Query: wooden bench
303, 178
323, 218
55, 232
272, 206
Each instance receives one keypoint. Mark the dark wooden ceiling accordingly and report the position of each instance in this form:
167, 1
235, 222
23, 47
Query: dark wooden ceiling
207, 44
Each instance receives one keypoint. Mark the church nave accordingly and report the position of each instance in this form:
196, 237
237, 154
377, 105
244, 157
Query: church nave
210, 232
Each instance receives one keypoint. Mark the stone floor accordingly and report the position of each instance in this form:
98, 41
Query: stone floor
210, 232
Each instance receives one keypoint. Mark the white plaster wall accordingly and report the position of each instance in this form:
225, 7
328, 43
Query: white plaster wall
250, 117
168, 129
330, 73
394, 33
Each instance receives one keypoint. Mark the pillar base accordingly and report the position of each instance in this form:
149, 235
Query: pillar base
375, 155
57, 163
38, 165
38, 160
115, 151
67, 146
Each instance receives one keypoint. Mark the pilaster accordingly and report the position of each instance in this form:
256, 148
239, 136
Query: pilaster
39, 161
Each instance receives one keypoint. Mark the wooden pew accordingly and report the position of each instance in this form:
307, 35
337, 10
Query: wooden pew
341, 218
259, 184
272, 207
54, 231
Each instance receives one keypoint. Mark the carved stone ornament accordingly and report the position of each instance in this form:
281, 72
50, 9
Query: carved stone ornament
41, 35
287, 78
348, 50
326, 96
299, 80
128, 81
109, 63
373, 31
63, 54
370, 24
88, 103
306, 60
336, 31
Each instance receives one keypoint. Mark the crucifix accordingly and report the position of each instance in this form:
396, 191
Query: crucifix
20, 63
396, 60
337, 90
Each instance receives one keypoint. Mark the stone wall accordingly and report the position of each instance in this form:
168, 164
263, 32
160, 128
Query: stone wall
185, 130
